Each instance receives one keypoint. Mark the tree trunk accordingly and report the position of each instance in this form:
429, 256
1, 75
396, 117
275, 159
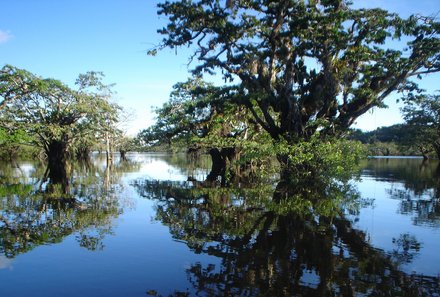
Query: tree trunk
57, 164
220, 161
218, 165
108, 148
123, 155
436, 146
284, 162
424, 152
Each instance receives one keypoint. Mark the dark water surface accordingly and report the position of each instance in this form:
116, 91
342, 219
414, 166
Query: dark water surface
140, 229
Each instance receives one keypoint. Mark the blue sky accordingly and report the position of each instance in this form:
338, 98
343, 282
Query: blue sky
63, 38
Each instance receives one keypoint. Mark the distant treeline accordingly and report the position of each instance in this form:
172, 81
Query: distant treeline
395, 140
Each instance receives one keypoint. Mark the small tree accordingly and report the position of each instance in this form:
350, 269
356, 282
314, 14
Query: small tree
205, 117
127, 144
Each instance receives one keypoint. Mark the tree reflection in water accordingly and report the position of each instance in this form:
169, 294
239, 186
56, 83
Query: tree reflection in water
419, 194
35, 212
288, 240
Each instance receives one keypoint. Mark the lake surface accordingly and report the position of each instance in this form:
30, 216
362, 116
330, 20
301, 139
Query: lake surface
140, 229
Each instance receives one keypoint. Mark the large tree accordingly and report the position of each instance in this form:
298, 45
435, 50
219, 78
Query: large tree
61, 118
304, 66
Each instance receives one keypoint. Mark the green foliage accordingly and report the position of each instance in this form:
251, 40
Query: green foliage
178, 118
14, 137
395, 133
14, 143
322, 157
199, 114
379, 148
126, 144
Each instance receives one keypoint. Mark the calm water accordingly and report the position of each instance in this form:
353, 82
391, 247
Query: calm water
140, 229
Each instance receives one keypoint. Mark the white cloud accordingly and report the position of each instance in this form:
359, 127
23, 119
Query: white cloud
5, 262
5, 36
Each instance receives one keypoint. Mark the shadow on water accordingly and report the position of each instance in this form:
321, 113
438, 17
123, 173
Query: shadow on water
290, 239
35, 211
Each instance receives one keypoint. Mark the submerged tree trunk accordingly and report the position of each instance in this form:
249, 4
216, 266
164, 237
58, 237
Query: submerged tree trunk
193, 153
424, 152
436, 146
218, 165
123, 155
57, 164
220, 160
108, 149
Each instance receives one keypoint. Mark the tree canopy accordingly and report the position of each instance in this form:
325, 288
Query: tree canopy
51, 110
304, 66
204, 117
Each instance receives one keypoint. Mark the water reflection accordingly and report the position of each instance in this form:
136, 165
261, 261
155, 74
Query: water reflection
413, 182
34, 212
288, 240
406, 248
5, 262
269, 239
